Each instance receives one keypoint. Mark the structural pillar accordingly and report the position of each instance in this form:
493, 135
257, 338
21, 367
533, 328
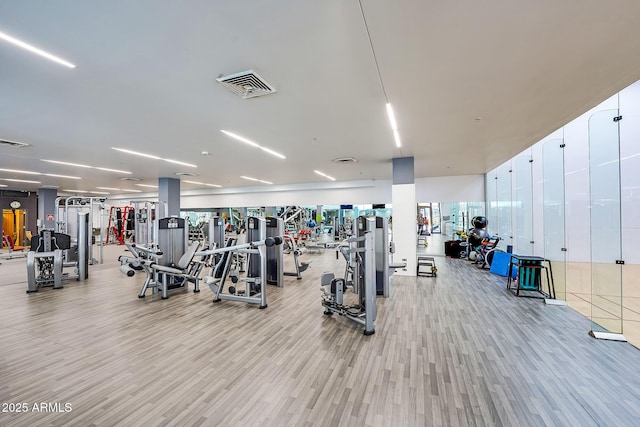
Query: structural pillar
403, 197
169, 192
47, 208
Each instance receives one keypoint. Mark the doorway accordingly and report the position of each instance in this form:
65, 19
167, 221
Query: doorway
14, 224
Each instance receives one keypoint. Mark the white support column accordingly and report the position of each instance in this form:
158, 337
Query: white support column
403, 197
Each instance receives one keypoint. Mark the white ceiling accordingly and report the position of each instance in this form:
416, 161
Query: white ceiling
146, 80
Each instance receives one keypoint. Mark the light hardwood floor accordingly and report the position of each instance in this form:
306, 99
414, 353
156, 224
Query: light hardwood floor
454, 350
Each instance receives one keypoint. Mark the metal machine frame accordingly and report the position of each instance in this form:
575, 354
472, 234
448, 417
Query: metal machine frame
255, 289
363, 247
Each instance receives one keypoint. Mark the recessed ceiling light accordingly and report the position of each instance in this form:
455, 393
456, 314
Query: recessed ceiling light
20, 171
151, 156
136, 153
20, 180
180, 163
61, 176
253, 144
35, 50
99, 192
2, 185
75, 191
108, 188
66, 163
203, 183
255, 179
325, 175
84, 166
146, 185
113, 170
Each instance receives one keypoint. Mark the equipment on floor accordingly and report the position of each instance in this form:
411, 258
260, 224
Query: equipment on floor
120, 225
171, 265
51, 252
484, 252
385, 249
255, 279
65, 220
529, 277
215, 236
141, 258
426, 266
145, 225
275, 255
363, 248
290, 247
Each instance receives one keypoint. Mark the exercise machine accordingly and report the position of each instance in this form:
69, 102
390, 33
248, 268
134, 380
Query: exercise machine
274, 227
290, 247
65, 220
51, 252
215, 235
173, 265
145, 226
255, 279
362, 247
385, 249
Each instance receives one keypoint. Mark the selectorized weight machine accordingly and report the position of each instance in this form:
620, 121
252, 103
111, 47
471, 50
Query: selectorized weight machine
51, 252
255, 279
369, 267
362, 247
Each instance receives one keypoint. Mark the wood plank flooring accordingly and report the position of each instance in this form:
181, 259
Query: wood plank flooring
454, 350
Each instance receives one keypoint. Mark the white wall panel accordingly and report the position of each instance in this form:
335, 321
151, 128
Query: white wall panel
463, 188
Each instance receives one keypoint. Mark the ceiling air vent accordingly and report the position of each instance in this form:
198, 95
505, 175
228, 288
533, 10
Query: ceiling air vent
128, 178
13, 144
246, 84
344, 160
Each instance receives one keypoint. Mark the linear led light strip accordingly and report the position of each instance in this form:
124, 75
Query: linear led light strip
203, 183
20, 180
253, 144
146, 185
151, 156
119, 189
33, 49
85, 166
255, 179
325, 175
39, 173
394, 124
85, 191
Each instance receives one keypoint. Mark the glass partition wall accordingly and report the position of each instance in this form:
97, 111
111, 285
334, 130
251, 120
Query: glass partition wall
523, 205
586, 177
555, 249
606, 239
